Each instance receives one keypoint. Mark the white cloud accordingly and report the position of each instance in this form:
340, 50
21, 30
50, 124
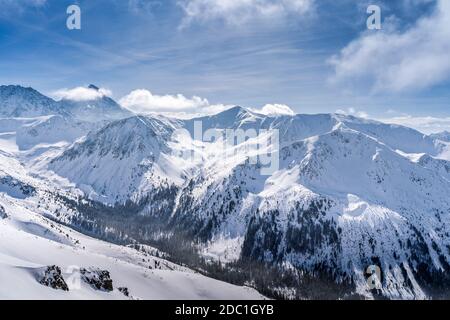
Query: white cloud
237, 12
423, 124
353, 112
393, 60
426, 124
275, 109
81, 94
144, 102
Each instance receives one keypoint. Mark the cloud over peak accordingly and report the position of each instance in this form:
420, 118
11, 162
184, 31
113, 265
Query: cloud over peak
143, 101
275, 109
81, 93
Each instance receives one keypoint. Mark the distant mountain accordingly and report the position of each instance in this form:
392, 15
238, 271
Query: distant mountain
52, 129
35, 119
103, 108
444, 136
21, 102
301, 126
17, 101
348, 193
236, 117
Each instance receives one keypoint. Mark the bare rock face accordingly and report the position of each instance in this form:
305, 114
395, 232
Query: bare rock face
3, 214
97, 279
16, 188
52, 277
125, 291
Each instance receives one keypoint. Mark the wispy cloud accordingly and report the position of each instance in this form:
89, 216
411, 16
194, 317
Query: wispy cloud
423, 124
395, 61
237, 12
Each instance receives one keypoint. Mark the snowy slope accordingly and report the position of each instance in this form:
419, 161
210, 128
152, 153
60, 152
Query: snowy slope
29, 243
444, 136
50, 130
17, 101
124, 160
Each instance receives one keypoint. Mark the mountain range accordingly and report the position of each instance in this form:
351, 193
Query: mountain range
344, 193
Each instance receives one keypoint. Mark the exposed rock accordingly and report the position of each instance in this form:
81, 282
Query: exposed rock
3, 214
53, 278
125, 291
16, 188
97, 279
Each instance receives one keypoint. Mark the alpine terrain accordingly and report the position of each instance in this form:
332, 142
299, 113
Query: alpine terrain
304, 207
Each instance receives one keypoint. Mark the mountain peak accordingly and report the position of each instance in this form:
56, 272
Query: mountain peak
94, 87
444, 136
234, 112
96, 108
17, 89
19, 101
234, 117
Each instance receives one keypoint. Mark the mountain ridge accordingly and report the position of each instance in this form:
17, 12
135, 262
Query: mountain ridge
347, 193
21, 102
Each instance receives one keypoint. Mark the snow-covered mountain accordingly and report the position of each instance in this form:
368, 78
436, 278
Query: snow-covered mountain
41, 259
33, 123
50, 130
135, 150
102, 108
20, 102
444, 136
346, 193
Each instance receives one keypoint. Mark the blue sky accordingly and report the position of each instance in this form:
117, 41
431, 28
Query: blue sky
191, 55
